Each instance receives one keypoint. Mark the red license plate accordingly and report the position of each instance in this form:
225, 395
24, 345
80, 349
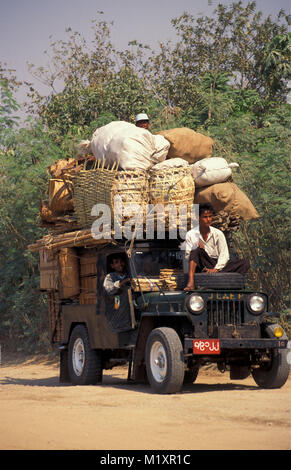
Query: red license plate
206, 346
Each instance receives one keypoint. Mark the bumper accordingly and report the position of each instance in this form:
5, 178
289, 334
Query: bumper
229, 343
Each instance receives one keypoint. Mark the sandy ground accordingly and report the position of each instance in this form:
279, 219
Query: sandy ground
214, 413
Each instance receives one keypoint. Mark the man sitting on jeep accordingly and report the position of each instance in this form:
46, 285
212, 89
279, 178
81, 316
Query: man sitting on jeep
208, 249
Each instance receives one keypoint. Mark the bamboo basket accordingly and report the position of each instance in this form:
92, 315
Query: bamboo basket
132, 187
172, 186
91, 187
101, 185
48, 268
55, 320
69, 284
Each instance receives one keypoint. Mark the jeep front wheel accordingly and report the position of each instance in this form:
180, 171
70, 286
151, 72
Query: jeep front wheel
85, 366
275, 372
164, 360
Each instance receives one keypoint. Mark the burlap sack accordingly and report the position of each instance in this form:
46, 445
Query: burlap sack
60, 197
188, 144
60, 167
227, 197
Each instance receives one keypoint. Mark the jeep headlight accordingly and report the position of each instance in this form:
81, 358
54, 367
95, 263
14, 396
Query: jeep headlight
195, 304
256, 303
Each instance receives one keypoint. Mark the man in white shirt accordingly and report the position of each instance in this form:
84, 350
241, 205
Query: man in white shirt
207, 249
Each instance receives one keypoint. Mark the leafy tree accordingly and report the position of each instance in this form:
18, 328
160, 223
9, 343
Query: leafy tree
276, 67
24, 156
263, 154
7, 107
224, 76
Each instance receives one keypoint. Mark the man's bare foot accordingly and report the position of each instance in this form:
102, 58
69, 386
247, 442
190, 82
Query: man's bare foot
189, 287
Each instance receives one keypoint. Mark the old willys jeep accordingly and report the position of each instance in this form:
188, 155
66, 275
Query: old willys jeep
171, 333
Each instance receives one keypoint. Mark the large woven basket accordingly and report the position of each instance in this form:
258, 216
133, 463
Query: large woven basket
91, 187
172, 186
101, 185
132, 188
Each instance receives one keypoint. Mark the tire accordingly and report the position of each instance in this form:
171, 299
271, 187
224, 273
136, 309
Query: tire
219, 280
84, 363
191, 375
165, 361
276, 373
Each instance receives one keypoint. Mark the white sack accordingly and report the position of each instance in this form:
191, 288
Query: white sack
211, 171
132, 147
172, 163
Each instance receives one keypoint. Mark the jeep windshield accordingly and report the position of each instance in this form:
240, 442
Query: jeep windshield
151, 262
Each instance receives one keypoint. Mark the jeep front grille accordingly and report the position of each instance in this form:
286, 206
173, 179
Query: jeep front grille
224, 312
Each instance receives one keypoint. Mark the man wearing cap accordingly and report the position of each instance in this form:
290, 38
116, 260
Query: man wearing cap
142, 120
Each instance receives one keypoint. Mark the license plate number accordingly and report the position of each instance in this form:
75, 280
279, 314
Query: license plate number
206, 346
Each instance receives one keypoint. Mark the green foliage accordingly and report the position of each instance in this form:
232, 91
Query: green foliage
7, 107
225, 76
23, 182
276, 67
263, 154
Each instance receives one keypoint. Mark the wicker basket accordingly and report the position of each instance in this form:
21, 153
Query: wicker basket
91, 187
133, 188
101, 185
172, 186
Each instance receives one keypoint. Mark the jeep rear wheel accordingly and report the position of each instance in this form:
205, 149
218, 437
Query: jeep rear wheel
164, 360
85, 366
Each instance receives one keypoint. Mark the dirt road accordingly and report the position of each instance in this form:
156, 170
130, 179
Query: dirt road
215, 413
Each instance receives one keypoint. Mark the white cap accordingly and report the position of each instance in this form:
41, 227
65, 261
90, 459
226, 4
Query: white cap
141, 117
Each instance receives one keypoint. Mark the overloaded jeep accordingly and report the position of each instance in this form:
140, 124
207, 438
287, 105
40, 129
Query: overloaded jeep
170, 332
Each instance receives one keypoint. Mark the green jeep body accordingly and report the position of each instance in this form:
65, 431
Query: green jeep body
169, 342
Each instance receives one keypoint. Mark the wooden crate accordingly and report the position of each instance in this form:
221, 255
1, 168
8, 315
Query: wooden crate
88, 262
86, 298
48, 268
88, 293
69, 283
55, 320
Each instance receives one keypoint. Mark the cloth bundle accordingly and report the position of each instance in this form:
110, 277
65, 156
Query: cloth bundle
131, 147
211, 171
